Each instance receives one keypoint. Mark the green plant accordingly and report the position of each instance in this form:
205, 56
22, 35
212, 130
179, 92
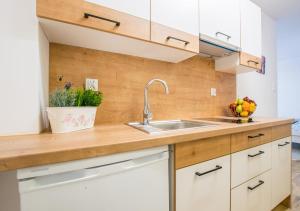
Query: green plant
69, 97
62, 98
91, 98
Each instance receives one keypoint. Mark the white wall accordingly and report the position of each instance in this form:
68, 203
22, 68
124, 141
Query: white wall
23, 64
263, 88
288, 42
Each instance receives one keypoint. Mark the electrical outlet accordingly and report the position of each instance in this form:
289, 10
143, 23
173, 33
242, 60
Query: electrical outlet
213, 92
91, 84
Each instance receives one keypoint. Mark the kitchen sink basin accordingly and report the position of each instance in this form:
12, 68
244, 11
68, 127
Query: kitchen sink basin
168, 126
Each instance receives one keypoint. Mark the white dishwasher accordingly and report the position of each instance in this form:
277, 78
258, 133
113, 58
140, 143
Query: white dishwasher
134, 181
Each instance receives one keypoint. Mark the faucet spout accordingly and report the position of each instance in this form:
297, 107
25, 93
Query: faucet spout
147, 113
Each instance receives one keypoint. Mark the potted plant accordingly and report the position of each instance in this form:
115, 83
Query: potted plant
72, 109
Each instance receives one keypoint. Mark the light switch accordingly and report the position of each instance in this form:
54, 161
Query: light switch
91, 84
213, 92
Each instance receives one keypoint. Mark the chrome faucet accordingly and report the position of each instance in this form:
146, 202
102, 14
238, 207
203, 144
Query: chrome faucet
147, 113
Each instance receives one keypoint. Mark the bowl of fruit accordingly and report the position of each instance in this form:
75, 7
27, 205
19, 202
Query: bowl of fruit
243, 107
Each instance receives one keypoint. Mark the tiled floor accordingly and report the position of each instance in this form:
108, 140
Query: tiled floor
296, 182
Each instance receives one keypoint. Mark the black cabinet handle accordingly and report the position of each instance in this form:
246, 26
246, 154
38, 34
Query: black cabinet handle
286, 143
226, 35
257, 154
87, 15
175, 38
256, 186
255, 62
207, 172
256, 136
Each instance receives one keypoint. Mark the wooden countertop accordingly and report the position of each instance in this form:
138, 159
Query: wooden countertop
32, 150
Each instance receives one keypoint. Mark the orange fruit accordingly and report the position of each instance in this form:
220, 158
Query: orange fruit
246, 106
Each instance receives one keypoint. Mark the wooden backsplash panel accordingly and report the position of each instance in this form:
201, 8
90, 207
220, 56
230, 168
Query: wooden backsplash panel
122, 79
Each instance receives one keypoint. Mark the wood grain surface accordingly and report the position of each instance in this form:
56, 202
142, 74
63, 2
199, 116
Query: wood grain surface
72, 11
194, 152
33, 150
122, 79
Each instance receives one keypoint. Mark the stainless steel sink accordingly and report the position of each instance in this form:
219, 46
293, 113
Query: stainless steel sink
170, 125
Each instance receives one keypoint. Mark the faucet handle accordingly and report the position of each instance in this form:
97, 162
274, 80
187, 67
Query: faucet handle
148, 115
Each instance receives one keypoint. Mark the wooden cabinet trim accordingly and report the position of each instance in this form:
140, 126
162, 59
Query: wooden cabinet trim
72, 12
160, 34
190, 153
249, 139
249, 60
281, 131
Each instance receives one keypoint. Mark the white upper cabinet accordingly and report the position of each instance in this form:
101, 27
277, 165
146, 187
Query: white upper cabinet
177, 14
251, 28
175, 23
220, 20
138, 8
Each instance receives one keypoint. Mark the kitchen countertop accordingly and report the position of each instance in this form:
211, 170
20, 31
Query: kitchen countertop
33, 150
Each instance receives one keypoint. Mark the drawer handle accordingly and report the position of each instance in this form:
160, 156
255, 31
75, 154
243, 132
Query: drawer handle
174, 38
286, 143
87, 15
252, 61
226, 35
257, 154
256, 136
207, 172
256, 186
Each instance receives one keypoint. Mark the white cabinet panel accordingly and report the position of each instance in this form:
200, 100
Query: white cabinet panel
220, 20
281, 170
209, 192
250, 163
178, 14
254, 195
251, 28
139, 8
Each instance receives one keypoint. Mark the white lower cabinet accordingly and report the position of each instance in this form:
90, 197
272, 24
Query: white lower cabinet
249, 163
281, 170
254, 195
204, 186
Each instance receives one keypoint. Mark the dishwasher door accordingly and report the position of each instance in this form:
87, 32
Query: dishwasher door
140, 184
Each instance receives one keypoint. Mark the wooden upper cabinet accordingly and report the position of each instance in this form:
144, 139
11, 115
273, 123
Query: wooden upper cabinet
128, 17
175, 23
220, 20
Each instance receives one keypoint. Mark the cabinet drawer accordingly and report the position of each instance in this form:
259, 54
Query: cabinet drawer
249, 139
103, 18
249, 163
175, 38
199, 192
281, 131
190, 153
250, 61
281, 170
253, 195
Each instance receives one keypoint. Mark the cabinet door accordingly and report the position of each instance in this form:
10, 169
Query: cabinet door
204, 186
175, 23
254, 195
220, 20
251, 31
250, 163
130, 18
281, 170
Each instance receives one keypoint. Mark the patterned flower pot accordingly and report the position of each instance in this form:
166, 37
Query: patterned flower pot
68, 119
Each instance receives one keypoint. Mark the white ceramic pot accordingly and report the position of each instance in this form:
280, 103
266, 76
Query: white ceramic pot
68, 119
